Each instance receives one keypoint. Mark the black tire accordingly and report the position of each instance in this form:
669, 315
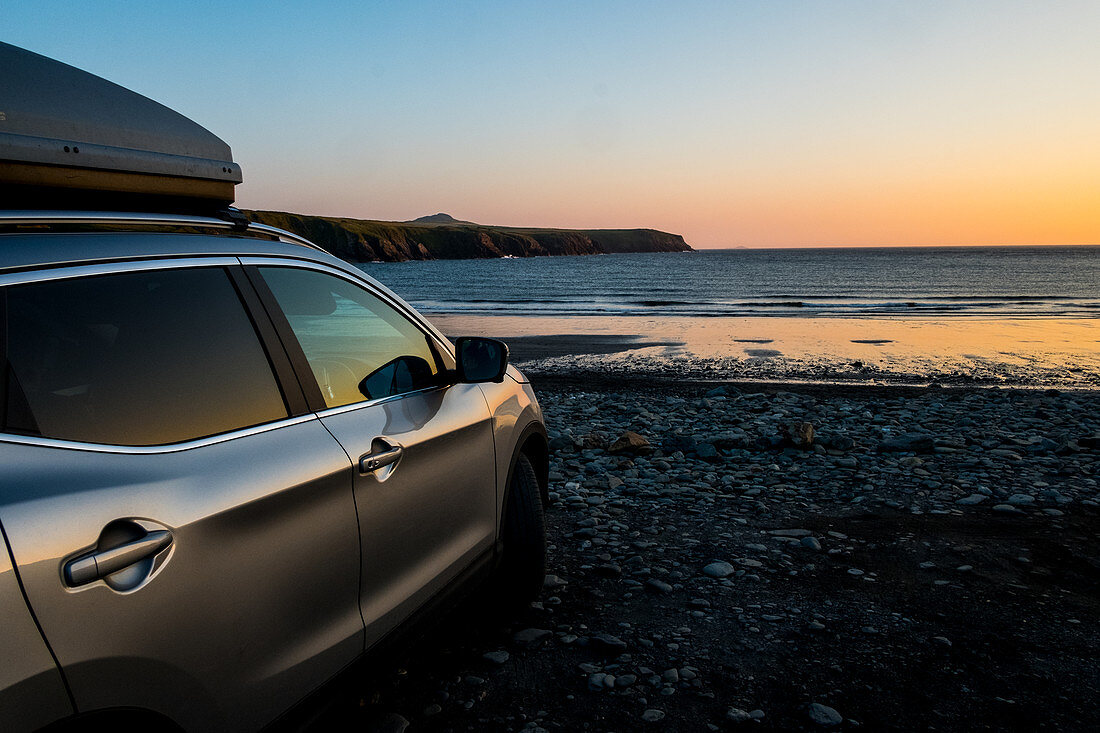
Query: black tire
522, 568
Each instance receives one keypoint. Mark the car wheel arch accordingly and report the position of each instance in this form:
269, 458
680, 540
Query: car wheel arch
533, 443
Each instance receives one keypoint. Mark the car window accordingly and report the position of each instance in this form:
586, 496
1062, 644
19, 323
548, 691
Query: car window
135, 358
357, 346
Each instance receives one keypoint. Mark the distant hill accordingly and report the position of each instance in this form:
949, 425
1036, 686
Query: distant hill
442, 237
439, 219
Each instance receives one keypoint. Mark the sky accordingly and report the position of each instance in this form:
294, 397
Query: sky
760, 124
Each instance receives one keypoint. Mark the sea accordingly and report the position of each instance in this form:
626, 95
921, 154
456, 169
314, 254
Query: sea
870, 282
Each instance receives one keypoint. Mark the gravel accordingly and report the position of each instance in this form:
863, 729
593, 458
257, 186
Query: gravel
930, 559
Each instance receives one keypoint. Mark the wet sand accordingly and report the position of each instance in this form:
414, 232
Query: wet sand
1039, 352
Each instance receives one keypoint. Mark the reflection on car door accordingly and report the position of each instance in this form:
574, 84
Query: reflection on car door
430, 515
425, 488
250, 598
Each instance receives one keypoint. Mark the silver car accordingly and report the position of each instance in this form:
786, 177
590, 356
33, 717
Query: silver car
230, 464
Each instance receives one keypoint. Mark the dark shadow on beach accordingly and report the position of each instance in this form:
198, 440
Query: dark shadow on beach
525, 348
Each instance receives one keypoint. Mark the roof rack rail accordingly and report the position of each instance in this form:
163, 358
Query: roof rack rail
233, 220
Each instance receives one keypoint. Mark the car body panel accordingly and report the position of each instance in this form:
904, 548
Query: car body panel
252, 605
32, 693
427, 517
514, 409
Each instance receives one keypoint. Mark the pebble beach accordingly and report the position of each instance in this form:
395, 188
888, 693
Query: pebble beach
788, 556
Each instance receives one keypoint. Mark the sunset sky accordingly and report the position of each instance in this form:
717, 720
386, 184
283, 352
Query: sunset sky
732, 123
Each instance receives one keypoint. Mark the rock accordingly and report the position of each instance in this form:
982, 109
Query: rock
971, 500
706, 451
659, 586
597, 681
1005, 453
836, 442
606, 643
1043, 445
652, 715
916, 442
392, 723
562, 443
497, 657
529, 638
801, 435
719, 569
1020, 500
1007, 509
552, 581
593, 440
824, 715
811, 543
630, 442
790, 532
737, 715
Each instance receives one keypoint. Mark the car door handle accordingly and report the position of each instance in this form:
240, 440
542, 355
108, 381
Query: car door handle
104, 562
373, 461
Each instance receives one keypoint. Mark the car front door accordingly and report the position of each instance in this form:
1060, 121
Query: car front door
425, 463
184, 528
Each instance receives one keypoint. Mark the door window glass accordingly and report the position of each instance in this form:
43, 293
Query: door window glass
136, 358
357, 346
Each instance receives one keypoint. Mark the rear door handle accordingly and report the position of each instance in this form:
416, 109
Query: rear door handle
105, 562
373, 461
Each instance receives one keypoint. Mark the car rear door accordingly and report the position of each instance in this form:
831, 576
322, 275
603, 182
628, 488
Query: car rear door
425, 482
183, 525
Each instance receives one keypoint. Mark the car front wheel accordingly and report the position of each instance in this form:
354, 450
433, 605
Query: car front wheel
523, 562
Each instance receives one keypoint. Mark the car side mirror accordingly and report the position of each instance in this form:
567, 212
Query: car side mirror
480, 360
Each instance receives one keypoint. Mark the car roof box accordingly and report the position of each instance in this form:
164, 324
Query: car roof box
70, 139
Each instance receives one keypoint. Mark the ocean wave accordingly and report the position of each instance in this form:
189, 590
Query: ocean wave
1003, 308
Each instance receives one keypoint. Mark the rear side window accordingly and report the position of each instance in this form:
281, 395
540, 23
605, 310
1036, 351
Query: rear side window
137, 358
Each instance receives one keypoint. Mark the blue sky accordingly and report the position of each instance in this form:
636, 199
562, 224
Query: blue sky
756, 123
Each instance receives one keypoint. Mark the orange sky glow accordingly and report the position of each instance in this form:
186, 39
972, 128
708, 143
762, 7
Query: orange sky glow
757, 124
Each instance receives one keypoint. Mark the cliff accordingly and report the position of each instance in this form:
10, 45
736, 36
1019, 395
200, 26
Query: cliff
441, 237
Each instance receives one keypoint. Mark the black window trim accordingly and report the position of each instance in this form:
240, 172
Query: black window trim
290, 390
277, 356
297, 357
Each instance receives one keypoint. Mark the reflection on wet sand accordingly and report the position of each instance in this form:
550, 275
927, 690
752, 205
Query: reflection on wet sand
1013, 350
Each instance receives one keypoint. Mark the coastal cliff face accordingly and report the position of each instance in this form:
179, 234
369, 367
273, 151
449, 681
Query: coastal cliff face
441, 237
